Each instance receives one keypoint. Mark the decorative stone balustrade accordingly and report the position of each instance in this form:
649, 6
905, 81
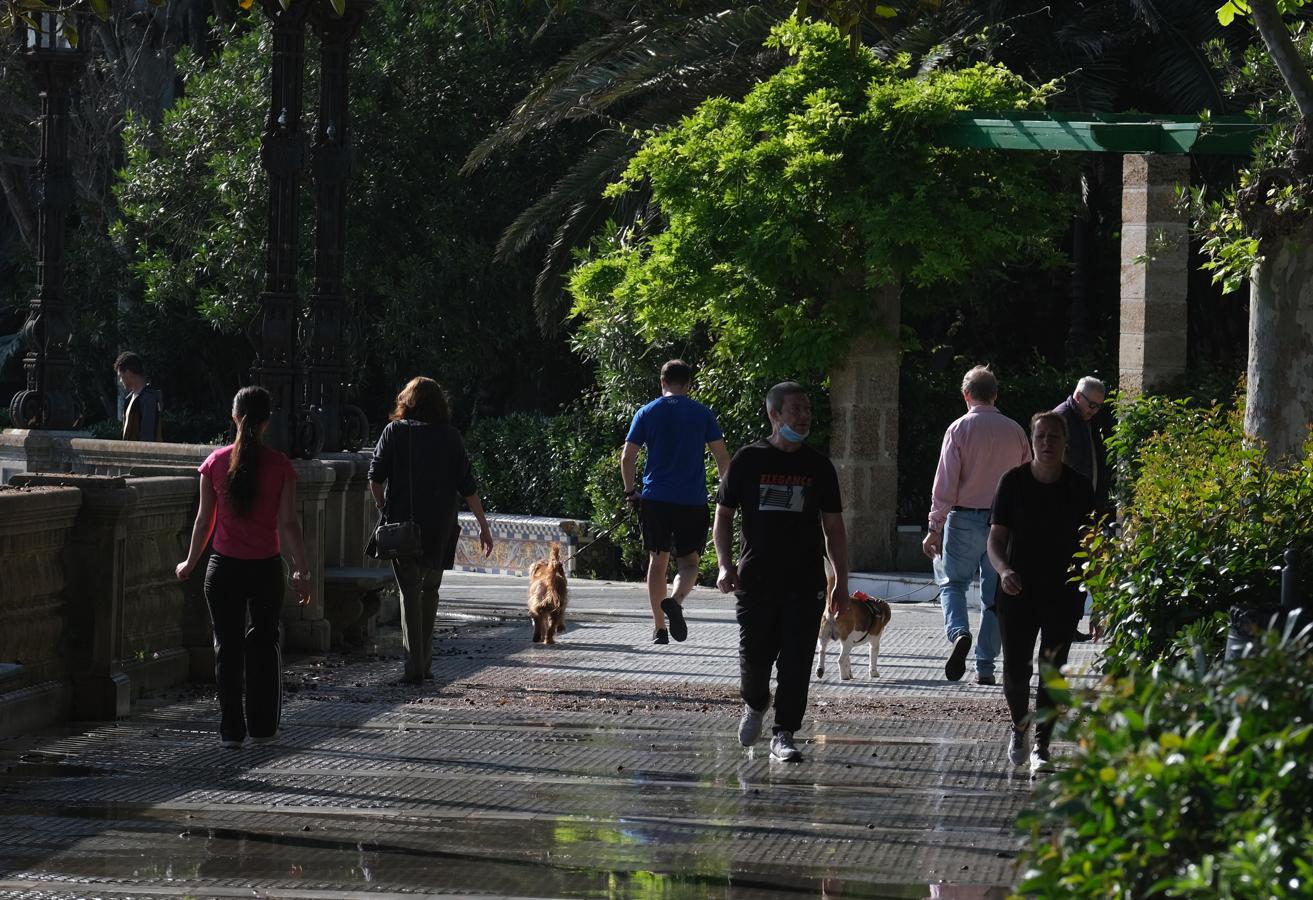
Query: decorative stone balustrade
91, 613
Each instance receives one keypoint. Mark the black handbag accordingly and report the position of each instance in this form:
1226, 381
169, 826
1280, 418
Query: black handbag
394, 540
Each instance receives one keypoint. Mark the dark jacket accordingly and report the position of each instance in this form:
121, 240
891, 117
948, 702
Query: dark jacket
428, 463
142, 420
1085, 451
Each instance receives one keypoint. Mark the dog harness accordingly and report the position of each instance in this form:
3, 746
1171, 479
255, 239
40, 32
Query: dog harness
872, 607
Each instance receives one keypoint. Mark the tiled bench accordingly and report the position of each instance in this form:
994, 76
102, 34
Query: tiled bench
520, 540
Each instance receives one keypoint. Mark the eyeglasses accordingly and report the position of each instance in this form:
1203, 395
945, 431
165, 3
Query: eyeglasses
1092, 404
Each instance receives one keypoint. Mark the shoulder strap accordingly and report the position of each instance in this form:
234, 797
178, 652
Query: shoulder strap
410, 467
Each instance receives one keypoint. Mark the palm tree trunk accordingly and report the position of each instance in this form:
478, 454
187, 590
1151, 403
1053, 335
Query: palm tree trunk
1279, 398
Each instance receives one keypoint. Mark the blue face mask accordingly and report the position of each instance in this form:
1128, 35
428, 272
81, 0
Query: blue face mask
790, 435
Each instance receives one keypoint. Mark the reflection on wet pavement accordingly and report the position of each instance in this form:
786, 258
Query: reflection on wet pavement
371, 792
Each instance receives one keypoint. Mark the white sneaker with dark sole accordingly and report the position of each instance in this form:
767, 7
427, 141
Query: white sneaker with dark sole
783, 748
1040, 763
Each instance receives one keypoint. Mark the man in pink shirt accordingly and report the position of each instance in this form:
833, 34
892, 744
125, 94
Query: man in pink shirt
978, 449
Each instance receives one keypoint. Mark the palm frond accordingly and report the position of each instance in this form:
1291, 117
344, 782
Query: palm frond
600, 165
580, 223
634, 57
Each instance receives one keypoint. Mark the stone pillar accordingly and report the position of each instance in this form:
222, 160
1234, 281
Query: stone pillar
1155, 246
35, 577
864, 437
97, 552
304, 627
335, 504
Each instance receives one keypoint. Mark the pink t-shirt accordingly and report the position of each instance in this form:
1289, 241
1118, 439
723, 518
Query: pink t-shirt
254, 536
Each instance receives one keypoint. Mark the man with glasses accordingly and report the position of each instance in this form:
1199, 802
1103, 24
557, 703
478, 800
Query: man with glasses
1084, 447
1084, 451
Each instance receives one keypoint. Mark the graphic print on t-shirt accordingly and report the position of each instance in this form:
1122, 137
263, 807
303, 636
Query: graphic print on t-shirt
783, 493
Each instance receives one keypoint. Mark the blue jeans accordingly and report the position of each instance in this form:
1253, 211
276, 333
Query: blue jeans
966, 534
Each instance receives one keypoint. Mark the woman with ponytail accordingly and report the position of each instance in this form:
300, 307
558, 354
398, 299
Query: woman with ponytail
418, 474
248, 502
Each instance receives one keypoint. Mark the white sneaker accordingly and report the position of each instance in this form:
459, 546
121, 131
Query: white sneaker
1039, 760
1017, 745
750, 725
782, 747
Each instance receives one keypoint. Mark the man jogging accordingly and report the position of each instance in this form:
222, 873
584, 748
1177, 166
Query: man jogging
672, 503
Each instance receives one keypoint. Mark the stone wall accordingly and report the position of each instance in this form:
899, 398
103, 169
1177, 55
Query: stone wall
91, 613
129, 624
165, 634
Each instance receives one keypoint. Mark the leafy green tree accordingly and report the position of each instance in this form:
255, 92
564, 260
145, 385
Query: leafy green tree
781, 214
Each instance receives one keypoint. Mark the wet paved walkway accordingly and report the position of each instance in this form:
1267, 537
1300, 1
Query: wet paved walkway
602, 766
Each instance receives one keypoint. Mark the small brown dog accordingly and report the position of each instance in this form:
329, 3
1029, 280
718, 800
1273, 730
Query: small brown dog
547, 597
860, 619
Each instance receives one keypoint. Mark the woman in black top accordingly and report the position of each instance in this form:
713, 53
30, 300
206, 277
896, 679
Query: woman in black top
1040, 511
418, 474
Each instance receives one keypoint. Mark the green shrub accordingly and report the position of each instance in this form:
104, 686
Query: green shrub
1187, 781
1140, 418
532, 464
1203, 532
566, 465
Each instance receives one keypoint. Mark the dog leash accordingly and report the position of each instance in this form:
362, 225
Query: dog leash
934, 599
602, 534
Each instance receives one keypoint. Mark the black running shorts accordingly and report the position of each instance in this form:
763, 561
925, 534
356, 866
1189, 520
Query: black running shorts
687, 525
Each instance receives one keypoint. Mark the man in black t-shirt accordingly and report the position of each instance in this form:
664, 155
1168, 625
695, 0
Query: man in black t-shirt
792, 520
1039, 512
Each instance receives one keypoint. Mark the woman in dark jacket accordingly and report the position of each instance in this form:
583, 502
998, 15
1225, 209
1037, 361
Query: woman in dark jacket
418, 474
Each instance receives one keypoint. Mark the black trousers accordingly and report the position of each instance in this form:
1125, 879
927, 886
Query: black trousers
244, 597
1021, 619
778, 628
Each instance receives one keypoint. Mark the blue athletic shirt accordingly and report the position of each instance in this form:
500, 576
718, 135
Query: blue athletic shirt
675, 430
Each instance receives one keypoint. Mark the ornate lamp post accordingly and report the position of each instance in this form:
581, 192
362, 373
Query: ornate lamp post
55, 65
293, 427
344, 427
307, 382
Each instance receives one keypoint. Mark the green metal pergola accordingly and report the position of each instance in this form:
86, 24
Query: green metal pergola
1123, 133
